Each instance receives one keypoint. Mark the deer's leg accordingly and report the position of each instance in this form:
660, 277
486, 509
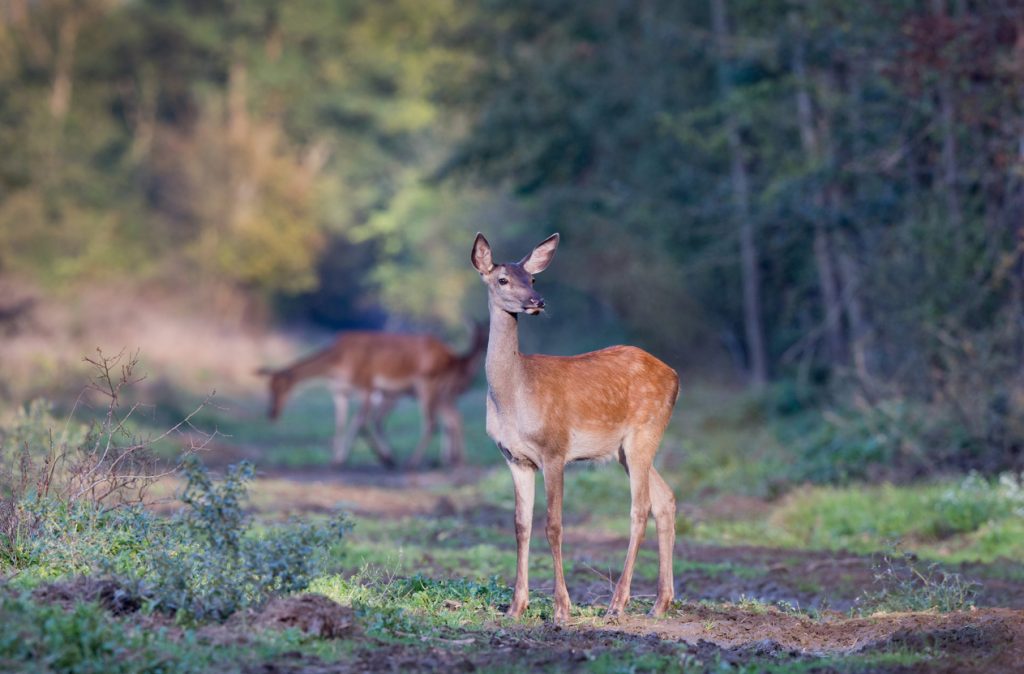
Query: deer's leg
348, 439
637, 462
453, 448
426, 397
381, 405
554, 484
523, 482
663, 505
339, 447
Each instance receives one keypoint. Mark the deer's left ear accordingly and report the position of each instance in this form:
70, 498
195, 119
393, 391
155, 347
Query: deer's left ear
539, 259
481, 255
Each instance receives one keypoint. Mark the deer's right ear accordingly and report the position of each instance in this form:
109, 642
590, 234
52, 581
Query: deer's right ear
481, 255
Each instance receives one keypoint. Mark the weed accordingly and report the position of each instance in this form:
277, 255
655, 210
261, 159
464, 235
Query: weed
907, 586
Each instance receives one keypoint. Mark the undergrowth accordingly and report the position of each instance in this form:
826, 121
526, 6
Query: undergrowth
904, 584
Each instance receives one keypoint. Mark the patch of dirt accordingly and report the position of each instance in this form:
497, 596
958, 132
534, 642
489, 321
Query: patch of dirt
110, 594
313, 614
986, 631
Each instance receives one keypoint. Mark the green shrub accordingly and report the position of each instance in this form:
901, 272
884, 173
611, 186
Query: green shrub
82, 640
215, 564
62, 538
843, 446
974, 501
204, 563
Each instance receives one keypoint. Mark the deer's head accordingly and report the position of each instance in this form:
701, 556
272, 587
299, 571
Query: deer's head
510, 285
281, 384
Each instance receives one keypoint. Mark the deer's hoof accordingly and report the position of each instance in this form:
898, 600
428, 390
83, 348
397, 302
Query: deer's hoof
516, 610
659, 609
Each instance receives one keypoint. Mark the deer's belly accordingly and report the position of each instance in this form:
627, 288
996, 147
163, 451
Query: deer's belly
587, 445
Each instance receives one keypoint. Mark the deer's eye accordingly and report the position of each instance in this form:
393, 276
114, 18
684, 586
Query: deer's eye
503, 281
532, 281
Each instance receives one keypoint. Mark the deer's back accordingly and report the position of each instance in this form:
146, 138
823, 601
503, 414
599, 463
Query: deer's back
389, 360
613, 385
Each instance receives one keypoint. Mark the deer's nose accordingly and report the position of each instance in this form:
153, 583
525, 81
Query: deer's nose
537, 301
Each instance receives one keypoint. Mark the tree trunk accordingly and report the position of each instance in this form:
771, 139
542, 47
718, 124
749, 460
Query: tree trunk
822, 246
947, 125
849, 267
749, 258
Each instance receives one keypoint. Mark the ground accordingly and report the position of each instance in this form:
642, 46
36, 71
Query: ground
421, 582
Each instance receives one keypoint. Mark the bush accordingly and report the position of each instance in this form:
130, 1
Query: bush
215, 565
204, 563
840, 447
974, 501
80, 537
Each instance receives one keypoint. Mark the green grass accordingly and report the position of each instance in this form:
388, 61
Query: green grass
85, 638
966, 520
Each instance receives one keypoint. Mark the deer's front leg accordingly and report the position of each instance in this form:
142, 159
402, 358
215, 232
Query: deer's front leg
339, 445
554, 484
523, 482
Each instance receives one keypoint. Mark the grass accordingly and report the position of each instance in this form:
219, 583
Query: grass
952, 521
429, 581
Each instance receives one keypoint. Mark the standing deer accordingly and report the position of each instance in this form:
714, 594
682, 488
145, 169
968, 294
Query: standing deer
378, 368
545, 411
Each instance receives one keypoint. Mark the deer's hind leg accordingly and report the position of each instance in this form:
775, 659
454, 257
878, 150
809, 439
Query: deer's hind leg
636, 456
452, 443
663, 505
427, 396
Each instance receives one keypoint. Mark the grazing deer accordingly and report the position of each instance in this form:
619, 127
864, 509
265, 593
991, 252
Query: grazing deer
545, 411
378, 368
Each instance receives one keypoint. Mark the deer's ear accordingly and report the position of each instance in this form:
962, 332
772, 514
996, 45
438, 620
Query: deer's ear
481, 255
539, 259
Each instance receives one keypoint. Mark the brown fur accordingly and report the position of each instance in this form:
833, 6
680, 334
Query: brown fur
545, 411
378, 368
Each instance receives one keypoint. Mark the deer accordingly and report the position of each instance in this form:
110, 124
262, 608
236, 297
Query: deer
544, 412
378, 368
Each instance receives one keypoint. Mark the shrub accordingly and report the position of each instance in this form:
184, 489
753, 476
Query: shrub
214, 564
861, 444
72, 474
79, 537
206, 562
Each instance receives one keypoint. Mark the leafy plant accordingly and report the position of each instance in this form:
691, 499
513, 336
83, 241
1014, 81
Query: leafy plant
214, 564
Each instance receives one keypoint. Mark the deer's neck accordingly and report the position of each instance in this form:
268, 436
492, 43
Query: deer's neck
504, 362
312, 366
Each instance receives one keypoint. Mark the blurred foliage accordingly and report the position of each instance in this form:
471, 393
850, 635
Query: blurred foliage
333, 158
